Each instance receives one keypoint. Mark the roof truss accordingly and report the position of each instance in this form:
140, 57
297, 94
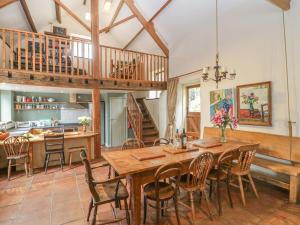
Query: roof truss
28, 15
58, 12
106, 29
148, 26
152, 18
283, 4
4, 3
115, 15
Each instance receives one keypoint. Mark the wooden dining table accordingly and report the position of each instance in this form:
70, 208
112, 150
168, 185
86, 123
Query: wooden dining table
141, 171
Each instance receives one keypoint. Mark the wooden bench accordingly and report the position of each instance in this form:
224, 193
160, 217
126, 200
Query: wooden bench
275, 147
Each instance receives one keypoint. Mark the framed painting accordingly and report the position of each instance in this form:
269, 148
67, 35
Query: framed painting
254, 104
222, 99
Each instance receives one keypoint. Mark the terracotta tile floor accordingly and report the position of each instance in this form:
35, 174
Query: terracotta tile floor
61, 198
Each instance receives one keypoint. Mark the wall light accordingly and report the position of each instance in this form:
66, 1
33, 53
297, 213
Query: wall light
87, 16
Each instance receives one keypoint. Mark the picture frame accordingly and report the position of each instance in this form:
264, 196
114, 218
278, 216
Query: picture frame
254, 104
222, 99
60, 31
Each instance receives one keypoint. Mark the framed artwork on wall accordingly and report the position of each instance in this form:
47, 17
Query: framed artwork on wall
222, 99
254, 104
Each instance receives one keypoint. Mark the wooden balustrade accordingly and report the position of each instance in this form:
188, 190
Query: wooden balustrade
135, 116
39, 54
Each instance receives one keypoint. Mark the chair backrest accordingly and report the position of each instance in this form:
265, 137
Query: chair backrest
54, 142
167, 171
246, 156
133, 143
89, 176
161, 141
199, 169
225, 160
15, 146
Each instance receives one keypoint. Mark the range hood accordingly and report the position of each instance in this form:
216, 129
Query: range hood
72, 103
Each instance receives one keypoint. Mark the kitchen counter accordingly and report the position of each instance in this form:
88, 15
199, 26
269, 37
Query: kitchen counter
37, 148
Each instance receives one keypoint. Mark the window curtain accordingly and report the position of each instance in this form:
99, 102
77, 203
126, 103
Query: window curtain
171, 103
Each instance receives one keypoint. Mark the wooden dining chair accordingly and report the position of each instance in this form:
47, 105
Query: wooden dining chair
242, 168
54, 145
104, 192
133, 143
16, 148
195, 180
222, 173
160, 191
161, 141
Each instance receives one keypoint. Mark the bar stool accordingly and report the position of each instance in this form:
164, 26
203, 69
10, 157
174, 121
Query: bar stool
74, 150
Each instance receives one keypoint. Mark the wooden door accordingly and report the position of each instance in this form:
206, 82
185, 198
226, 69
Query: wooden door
193, 114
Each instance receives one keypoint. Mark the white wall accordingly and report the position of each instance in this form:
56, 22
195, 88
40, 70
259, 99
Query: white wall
251, 41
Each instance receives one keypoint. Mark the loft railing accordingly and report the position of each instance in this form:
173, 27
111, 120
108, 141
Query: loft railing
135, 116
39, 54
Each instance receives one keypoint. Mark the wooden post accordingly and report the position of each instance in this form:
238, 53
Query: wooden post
96, 74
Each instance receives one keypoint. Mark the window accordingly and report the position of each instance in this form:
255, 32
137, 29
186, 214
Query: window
193, 99
82, 50
154, 94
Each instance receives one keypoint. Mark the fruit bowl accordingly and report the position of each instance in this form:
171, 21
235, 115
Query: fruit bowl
4, 135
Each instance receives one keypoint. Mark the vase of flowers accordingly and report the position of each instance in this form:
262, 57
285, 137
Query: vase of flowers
251, 100
222, 119
85, 122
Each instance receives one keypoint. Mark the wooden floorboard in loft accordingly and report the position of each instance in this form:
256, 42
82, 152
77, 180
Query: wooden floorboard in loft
62, 198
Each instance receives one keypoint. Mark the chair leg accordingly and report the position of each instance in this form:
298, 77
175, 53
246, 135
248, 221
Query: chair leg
176, 209
210, 188
9, 169
127, 212
95, 215
253, 185
219, 197
90, 210
145, 209
162, 207
61, 161
109, 172
25, 167
46, 162
242, 190
63, 157
191, 195
207, 205
157, 212
228, 190
70, 160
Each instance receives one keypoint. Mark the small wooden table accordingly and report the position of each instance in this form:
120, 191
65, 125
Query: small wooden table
142, 172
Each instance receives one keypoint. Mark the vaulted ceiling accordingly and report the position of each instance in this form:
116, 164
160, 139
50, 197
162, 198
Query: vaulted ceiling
153, 25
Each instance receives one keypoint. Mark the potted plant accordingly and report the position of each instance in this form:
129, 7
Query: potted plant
222, 119
85, 122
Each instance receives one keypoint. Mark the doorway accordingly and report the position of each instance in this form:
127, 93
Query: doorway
193, 111
118, 121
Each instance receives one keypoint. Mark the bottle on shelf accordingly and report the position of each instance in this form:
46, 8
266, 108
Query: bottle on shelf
183, 139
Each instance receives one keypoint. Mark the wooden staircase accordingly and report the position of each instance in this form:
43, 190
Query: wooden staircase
149, 129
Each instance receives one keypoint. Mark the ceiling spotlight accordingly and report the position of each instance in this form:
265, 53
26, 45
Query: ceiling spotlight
107, 5
87, 16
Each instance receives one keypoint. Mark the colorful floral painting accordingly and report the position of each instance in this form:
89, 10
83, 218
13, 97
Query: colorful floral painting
254, 106
222, 100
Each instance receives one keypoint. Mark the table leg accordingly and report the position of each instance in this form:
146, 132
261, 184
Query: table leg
30, 154
135, 198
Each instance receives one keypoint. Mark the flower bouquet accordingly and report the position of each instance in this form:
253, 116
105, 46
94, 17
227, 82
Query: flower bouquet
84, 121
222, 119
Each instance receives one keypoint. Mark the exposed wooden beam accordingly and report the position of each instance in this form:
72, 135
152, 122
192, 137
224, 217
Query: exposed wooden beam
70, 12
4, 3
96, 70
117, 23
58, 12
152, 18
28, 15
283, 4
148, 26
115, 15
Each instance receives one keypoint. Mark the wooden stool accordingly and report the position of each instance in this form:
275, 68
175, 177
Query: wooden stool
73, 150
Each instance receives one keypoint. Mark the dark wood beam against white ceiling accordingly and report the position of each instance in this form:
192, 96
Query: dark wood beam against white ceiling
4, 3
283, 4
28, 15
149, 27
119, 7
58, 12
152, 18
73, 15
